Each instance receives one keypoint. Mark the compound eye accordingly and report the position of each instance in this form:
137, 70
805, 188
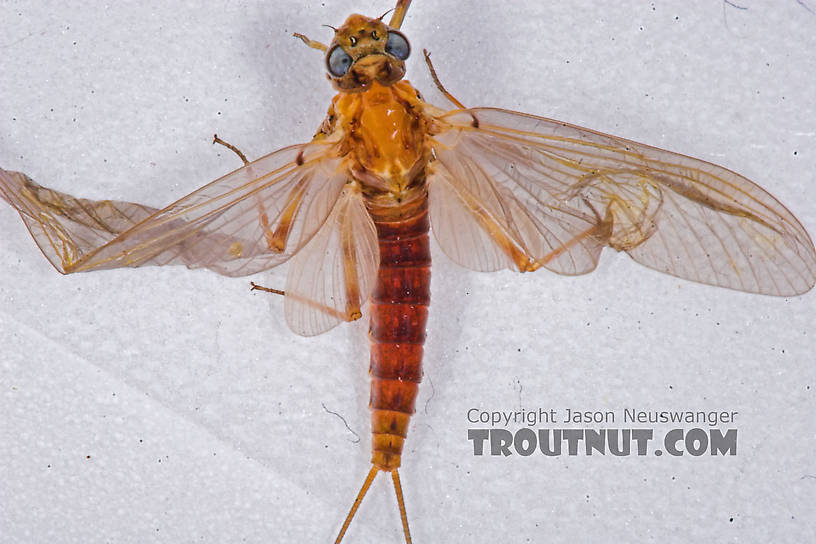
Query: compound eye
338, 61
397, 45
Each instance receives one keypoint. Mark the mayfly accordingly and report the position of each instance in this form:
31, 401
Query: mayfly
351, 212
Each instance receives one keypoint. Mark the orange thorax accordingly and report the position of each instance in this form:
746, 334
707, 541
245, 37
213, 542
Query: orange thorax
385, 132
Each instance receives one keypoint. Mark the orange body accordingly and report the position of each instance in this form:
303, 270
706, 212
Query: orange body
399, 311
384, 132
349, 212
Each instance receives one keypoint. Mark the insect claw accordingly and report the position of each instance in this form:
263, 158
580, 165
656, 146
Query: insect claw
311, 43
217, 140
256, 287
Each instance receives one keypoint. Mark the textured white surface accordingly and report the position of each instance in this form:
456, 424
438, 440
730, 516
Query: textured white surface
164, 405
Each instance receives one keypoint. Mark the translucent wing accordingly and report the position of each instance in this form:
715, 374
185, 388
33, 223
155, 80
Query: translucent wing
510, 190
330, 279
247, 221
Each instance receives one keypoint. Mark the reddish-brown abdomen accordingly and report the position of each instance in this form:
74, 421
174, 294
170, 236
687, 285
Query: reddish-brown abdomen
399, 312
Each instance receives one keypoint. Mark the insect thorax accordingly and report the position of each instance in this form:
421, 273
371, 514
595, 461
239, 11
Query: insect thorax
384, 135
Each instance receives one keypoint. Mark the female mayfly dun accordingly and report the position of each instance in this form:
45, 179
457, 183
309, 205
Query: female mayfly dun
351, 212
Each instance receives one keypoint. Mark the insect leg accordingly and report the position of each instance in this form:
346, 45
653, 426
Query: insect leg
275, 240
363, 490
439, 83
217, 140
256, 287
311, 43
399, 13
507, 240
322, 307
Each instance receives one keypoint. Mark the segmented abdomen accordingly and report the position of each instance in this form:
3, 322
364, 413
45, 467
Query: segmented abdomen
399, 312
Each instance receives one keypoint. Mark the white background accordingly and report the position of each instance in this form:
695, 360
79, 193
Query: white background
164, 405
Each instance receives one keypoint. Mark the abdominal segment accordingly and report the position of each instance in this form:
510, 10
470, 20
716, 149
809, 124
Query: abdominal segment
399, 312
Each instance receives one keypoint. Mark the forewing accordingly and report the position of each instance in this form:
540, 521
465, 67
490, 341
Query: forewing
249, 220
332, 277
487, 212
546, 193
